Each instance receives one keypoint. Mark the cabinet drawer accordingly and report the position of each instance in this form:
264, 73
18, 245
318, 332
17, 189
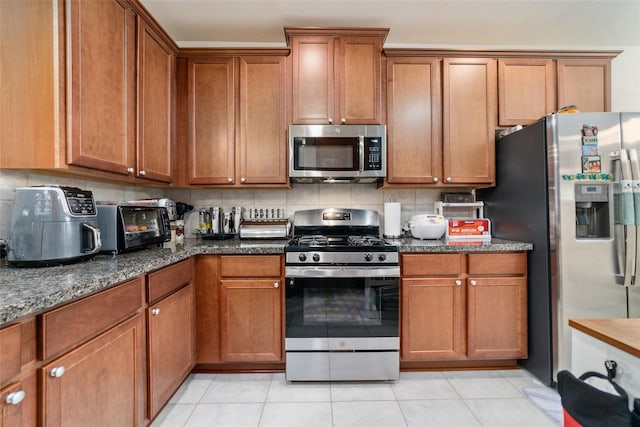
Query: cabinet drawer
514, 263
432, 264
165, 281
67, 326
250, 266
10, 355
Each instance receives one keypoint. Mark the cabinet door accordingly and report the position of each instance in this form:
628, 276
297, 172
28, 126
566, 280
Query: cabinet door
497, 324
526, 90
469, 103
211, 112
171, 326
585, 83
251, 320
263, 121
101, 83
358, 76
433, 319
101, 383
413, 120
313, 85
155, 106
19, 403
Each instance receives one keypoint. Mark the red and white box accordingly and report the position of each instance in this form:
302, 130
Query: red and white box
469, 229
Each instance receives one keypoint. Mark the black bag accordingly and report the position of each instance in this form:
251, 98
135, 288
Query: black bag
584, 405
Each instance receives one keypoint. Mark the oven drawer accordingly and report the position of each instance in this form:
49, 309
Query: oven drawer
347, 366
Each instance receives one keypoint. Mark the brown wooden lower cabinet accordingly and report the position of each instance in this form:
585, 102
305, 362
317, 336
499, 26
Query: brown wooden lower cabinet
171, 344
463, 307
99, 383
19, 403
239, 311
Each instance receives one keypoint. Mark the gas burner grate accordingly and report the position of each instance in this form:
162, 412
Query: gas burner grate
365, 241
315, 240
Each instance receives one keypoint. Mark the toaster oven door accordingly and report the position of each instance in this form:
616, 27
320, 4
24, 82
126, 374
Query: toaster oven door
140, 226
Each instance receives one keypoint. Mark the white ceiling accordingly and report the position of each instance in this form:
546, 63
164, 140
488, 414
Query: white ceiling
579, 24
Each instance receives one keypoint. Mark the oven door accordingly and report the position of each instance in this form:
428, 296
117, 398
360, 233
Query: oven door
326, 305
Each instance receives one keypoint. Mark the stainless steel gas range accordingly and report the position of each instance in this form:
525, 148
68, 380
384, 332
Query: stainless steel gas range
342, 298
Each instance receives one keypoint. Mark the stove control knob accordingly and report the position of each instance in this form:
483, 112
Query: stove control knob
368, 257
316, 257
302, 257
382, 257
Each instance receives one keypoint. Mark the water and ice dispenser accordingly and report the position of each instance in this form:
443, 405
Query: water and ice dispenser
592, 210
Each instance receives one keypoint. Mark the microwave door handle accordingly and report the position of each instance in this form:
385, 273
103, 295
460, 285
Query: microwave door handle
628, 218
361, 151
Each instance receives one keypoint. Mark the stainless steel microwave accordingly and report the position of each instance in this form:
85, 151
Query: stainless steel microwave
337, 153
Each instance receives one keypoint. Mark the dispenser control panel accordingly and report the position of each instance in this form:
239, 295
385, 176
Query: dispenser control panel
592, 192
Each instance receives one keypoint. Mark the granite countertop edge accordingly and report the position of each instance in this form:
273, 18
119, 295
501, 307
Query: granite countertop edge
28, 291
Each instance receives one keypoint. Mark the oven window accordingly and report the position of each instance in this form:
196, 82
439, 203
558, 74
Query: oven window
342, 307
326, 154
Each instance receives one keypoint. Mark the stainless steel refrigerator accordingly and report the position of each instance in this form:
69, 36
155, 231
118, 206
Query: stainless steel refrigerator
570, 184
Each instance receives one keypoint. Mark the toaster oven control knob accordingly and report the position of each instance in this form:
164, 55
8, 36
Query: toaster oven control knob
302, 257
382, 257
316, 257
368, 257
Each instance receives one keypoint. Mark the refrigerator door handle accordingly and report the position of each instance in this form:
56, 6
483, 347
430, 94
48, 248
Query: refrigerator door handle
626, 181
635, 173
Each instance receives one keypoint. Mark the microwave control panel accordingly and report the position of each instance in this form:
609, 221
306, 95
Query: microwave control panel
373, 153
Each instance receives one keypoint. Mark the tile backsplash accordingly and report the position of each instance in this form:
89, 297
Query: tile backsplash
300, 196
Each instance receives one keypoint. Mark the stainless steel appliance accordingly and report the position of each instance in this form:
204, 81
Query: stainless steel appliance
128, 226
340, 153
341, 298
575, 196
52, 225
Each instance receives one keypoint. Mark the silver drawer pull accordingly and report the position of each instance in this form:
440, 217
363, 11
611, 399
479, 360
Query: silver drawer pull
57, 372
15, 397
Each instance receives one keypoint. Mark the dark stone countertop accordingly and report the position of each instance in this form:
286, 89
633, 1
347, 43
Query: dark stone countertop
26, 291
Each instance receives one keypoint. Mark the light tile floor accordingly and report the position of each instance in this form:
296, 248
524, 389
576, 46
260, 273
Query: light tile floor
420, 399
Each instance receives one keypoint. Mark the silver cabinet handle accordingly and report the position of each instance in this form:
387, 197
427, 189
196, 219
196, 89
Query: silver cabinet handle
276, 285
243, 180
15, 397
155, 311
343, 120
57, 372
143, 173
448, 179
458, 282
330, 121
130, 170
229, 180
473, 283
435, 179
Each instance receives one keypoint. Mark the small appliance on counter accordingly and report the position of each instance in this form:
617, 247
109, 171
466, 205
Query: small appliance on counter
265, 224
427, 226
53, 225
128, 226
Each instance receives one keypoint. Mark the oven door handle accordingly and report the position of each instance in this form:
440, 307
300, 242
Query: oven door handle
341, 271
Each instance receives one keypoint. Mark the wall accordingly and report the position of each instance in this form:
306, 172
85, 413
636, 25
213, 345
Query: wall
625, 96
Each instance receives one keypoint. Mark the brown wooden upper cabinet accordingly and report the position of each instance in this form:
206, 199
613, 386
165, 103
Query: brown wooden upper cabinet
530, 88
585, 83
441, 117
107, 112
526, 90
237, 120
336, 75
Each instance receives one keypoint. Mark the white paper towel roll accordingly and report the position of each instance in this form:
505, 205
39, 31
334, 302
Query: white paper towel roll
392, 219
